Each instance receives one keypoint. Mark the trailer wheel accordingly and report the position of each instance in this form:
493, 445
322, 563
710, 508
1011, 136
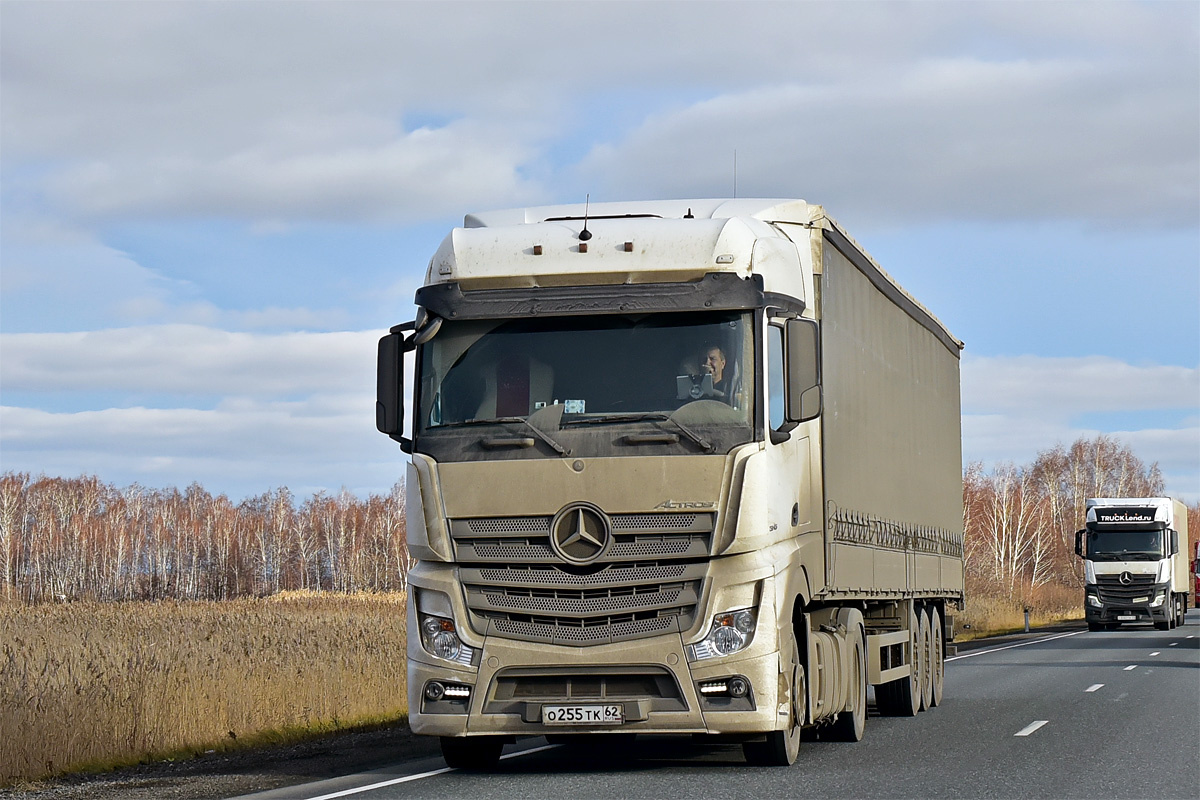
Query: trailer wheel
782, 747
937, 664
850, 724
926, 661
902, 697
472, 752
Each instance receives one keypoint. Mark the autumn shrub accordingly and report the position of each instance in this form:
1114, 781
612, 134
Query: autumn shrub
108, 683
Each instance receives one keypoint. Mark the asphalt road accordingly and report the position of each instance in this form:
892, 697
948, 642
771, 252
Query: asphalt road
1060, 715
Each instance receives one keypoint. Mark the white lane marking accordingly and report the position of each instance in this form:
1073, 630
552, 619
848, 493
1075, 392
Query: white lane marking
1094, 687
1173, 644
1011, 646
1157, 653
1031, 727
1131, 666
419, 776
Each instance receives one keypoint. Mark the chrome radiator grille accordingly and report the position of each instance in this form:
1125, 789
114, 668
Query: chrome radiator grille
647, 582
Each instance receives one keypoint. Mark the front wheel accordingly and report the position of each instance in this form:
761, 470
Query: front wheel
782, 747
472, 752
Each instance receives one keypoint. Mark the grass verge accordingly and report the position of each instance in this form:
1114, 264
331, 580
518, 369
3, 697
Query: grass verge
92, 686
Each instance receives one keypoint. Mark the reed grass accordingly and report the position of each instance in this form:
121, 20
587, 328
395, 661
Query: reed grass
990, 616
100, 684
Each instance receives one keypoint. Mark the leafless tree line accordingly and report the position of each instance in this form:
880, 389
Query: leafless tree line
1020, 521
79, 538
69, 538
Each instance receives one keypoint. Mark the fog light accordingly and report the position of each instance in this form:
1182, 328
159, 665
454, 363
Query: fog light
739, 687
434, 691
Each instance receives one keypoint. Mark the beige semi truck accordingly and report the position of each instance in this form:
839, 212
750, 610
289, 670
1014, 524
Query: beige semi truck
684, 467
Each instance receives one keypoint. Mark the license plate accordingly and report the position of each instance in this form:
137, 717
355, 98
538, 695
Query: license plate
613, 714
1127, 618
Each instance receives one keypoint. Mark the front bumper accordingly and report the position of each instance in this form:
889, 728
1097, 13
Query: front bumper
1141, 608
650, 678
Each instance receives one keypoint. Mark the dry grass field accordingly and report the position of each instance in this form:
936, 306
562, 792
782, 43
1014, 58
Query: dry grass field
99, 684
989, 616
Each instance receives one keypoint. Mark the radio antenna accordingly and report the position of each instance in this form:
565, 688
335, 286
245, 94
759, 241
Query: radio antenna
735, 173
585, 234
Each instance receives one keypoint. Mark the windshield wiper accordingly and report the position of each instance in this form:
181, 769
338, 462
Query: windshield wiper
541, 434
696, 438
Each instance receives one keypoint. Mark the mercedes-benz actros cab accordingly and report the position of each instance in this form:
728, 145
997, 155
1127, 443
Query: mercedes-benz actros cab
680, 467
1135, 552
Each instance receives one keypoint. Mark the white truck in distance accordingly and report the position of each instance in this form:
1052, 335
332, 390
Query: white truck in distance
1135, 552
678, 467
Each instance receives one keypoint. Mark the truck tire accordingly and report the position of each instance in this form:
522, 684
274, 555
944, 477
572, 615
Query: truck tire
937, 664
927, 660
1169, 622
902, 697
850, 724
782, 747
472, 752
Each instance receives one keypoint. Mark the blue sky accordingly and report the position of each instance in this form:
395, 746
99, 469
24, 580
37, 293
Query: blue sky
210, 211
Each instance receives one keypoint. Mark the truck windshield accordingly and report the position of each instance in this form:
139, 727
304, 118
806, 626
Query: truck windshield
1125, 545
683, 380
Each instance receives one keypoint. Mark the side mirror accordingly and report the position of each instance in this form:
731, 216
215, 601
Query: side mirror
1174, 542
1079, 543
803, 399
389, 387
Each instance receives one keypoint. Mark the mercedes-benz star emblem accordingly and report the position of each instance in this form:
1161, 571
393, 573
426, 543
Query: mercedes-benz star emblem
580, 533
1125, 579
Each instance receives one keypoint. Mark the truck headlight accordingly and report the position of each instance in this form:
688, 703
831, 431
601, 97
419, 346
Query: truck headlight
440, 638
729, 633
1158, 601
1094, 600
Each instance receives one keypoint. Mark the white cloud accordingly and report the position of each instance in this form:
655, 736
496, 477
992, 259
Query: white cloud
1056, 388
379, 111
239, 448
189, 360
1016, 407
423, 174
933, 139
238, 412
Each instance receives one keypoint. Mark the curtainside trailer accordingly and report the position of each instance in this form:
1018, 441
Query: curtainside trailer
680, 467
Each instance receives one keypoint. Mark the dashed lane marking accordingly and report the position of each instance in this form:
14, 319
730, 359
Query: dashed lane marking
1131, 666
1031, 727
1094, 687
